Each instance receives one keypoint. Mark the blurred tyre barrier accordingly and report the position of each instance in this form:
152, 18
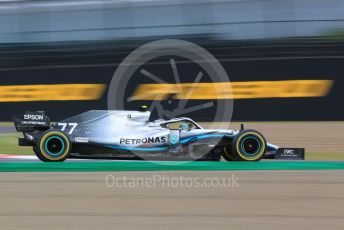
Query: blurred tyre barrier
247, 90
200, 91
269, 83
234, 90
53, 92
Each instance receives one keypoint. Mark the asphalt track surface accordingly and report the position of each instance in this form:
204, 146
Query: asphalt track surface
260, 199
93, 194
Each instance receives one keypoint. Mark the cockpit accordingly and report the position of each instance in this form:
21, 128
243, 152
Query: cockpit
181, 124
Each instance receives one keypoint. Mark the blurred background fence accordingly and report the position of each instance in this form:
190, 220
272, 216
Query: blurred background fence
55, 21
82, 42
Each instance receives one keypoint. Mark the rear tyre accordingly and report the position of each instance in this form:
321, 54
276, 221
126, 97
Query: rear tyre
213, 155
37, 153
248, 145
53, 146
227, 153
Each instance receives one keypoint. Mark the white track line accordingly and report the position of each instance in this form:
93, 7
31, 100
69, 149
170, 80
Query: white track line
24, 157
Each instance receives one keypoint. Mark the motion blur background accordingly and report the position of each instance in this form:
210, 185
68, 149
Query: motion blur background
60, 56
82, 42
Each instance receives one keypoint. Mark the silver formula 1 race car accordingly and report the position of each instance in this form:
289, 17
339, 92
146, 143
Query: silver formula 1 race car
131, 135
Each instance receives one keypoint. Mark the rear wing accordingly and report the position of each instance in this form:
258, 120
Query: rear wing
31, 121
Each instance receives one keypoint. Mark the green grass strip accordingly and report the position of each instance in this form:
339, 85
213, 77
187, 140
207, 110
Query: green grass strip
164, 166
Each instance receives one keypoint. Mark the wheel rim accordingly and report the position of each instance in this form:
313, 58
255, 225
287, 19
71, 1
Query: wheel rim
250, 146
54, 146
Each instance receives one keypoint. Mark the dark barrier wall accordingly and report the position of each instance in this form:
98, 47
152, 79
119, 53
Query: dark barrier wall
243, 61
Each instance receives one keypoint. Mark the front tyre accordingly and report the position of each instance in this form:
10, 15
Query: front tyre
53, 146
248, 145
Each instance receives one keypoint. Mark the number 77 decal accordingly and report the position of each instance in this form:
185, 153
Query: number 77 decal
64, 126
